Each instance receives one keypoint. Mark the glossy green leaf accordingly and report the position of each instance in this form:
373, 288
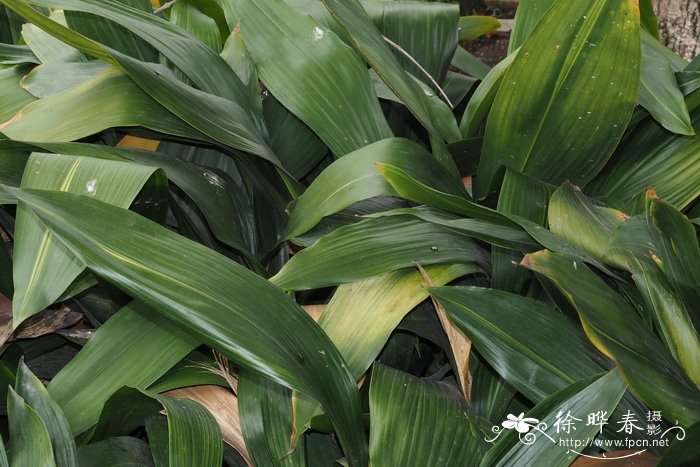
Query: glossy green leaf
373, 247
561, 81
653, 158
122, 451
296, 145
369, 42
659, 92
106, 100
361, 316
266, 421
678, 250
153, 264
115, 421
47, 48
106, 362
648, 18
13, 97
575, 218
43, 268
427, 31
471, 27
481, 101
236, 55
203, 66
112, 34
515, 335
330, 90
615, 327
53, 78
419, 422
603, 395
16, 54
31, 443
469, 64
211, 192
527, 16
194, 438
34, 393
355, 177
190, 18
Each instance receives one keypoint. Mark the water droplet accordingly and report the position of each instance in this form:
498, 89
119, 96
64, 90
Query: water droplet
428, 93
434, 248
575, 266
91, 187
318, 33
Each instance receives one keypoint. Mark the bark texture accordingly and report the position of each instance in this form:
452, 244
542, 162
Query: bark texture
679, 25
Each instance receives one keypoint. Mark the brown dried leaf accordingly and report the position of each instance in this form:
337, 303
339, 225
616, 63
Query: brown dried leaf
460, 344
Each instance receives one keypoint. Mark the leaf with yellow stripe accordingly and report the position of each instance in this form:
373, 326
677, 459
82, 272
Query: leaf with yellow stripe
43, 268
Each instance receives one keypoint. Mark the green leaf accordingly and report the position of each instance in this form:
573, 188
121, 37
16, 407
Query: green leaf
47, 48
34, 393
31, 442
560, 80
515, 335
614, 326
152, 263
330, 89
16, 54
43, 269
469, 64
12, 96
361, 316
368, 41
471, 27
659, 92
684, 451
373, 247
296, 145
418, 422
427, 31
265, 411
602, 395
53, 78
112, 34
203, 66
481, 101
575, 218
190, 18
648, 18
106, 100
122, 451
106, 362
527, 16
194, 438
355, 177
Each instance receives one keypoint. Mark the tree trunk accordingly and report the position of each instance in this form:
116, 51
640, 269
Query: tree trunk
679, 25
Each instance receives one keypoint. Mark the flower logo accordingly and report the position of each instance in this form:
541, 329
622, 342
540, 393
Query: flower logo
520, 423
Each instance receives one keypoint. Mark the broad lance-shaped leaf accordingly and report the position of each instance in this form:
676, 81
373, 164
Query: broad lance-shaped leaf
194, 287
314, 74
106, 362
355, 177
31, 443
615, 327
108, 99
419, 422
427, 31
52, 78
361, 316
602, 395
373, 247
43, 268
659, 92
12, 95
223, 120
668, 162
368, 41
527, 16
575, 80
536, 349
34, 393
